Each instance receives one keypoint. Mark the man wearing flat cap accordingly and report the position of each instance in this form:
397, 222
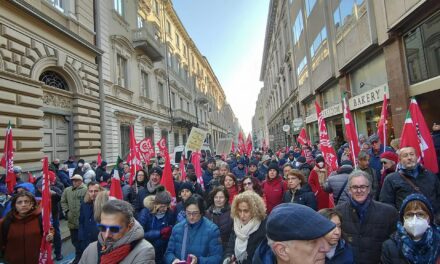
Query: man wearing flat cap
295, 234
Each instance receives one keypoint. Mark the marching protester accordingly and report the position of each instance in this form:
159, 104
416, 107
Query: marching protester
150, 189
231, 184
366, 222
196, 239
303, 166
417, 238
220, 212
338, 184
248, 213
71, 206
389, 163
120, 238
317, 179
21, 230
186, 191
340, 251
273, 187
251, 183
364, 165
139, 184
299, 191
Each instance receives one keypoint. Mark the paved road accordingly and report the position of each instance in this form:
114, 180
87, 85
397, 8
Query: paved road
68, 252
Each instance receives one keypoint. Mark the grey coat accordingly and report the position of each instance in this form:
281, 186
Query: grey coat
334, 184
143, 252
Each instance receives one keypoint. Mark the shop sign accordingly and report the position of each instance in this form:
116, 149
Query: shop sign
332, 111
297, 122
373, 96
311, 118
286, 128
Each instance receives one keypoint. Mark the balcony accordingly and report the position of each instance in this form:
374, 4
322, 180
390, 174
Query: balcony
184, 119
147, 40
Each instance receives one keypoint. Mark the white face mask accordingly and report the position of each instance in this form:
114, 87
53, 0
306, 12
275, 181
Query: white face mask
321, 164
416, 226
297, 164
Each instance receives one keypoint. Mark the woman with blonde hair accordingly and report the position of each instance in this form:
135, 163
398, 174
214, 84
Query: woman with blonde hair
248, 212
317, 179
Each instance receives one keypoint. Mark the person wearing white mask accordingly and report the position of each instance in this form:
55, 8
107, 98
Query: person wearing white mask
417, 239
317, 179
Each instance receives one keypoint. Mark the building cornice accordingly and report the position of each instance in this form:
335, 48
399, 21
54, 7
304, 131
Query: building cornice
269, 31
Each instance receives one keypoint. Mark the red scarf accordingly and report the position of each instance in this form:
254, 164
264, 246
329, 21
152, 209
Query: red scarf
117, 255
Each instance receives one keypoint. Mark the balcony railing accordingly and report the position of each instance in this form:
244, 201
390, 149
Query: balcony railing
147, 39
184, 118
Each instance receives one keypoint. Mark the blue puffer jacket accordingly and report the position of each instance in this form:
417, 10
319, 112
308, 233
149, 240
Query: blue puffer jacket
239, 173
264, 254
152, 227
87, 232
203, 241
207, 177
343, 254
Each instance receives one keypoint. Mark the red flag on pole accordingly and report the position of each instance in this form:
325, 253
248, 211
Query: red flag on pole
167, 174
233, 147
7, 160
197, 168
328, 152
427, 149
31, 178
45, 247
382, 126
241, 145
302, 137
146, 149
99, 159
115, 187
350, 131
249, 145
133, 158
409, 138
182, 168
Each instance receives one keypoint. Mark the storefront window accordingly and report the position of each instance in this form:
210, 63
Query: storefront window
331, 96
422, 47
368, 118
371, 75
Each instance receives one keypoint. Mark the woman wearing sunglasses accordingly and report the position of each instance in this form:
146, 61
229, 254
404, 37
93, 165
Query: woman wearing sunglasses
417, 239
196, 239
21, 230
250, 183
157, 219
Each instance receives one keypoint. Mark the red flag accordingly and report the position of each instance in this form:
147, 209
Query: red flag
7, 160
382, 126
167, 173
409, 138
241, 145
45, 247
99, 159
249, 145
302, 137
115, 187
133, 158
350, 131
233, 147
427, 150
146, 149
31, 178
182, 169
328, 152
197, 168
264, 146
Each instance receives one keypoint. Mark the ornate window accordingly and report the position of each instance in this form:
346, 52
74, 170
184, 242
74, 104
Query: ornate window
53, 79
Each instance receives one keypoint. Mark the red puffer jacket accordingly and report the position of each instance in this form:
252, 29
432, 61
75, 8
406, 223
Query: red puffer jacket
273, 190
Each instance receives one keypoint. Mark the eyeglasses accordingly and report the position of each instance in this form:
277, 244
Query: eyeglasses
195, 213
361, 188
112, 228
419, 215
247, 183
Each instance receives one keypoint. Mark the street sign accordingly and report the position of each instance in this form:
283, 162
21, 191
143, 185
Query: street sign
286, 128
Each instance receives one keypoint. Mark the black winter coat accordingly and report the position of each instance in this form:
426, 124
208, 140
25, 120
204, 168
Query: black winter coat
366, 238
391, 254
224, 222
303, 196
253, 242
395, 189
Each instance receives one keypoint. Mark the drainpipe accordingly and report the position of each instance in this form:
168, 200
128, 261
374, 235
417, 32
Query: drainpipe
97, 8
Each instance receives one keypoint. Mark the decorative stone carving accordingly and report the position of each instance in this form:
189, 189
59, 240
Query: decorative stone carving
56, 100
124, 117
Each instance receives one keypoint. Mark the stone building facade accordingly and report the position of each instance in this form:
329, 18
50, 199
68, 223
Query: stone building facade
49, 88
360, 48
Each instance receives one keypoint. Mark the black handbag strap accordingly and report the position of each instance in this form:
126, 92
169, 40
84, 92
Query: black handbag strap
341, 191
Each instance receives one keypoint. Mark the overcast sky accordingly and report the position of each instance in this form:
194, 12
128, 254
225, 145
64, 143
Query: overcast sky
230, 33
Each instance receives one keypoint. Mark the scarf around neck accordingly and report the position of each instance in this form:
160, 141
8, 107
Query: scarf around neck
135, 233
409, 172
242, 233
361, 208
151, 188
425, 251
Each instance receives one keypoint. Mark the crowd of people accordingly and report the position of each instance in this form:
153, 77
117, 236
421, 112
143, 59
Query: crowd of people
269, 207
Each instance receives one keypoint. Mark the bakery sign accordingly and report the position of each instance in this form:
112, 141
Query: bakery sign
311, 118
370, 97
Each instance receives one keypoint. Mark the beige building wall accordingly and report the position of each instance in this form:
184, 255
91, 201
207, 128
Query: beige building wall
36, 37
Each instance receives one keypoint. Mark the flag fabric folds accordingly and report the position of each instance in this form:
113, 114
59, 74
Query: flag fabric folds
133, 158
249, 145
382, 126
197, 168
182, 168
115, 187
328, 152
99, 159
7, 160
167, 173
350, 131
302, 137
45, 247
